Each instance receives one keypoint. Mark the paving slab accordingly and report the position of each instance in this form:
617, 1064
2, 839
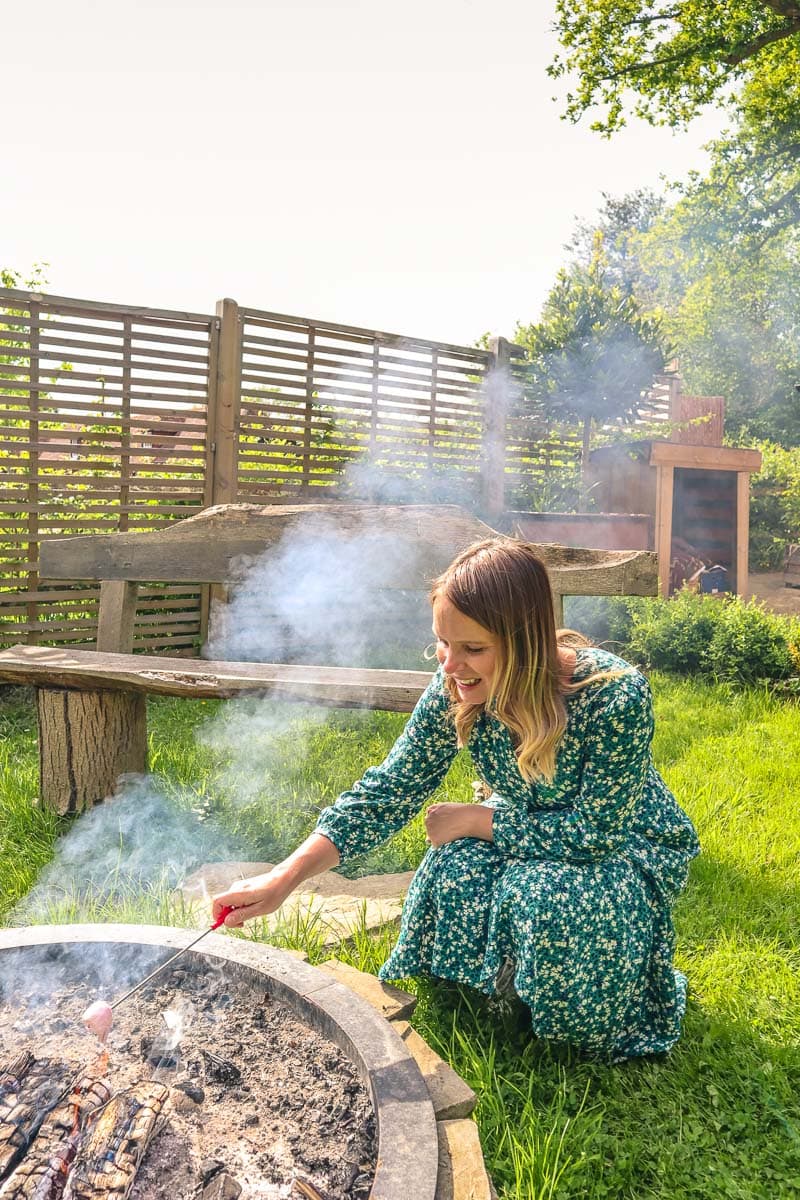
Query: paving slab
390, 1001
334, 906
451, 1096
462, 1172
216, 877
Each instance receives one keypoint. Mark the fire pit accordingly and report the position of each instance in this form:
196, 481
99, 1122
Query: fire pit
247, 1071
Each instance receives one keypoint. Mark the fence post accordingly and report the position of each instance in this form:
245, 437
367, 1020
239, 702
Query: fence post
224, 416
224, 406
495, 413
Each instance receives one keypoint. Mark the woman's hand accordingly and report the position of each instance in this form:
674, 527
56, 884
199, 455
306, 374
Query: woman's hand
255, 897
448, 822
262, 894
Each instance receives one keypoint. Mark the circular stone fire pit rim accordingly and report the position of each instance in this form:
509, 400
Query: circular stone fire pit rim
407, 1152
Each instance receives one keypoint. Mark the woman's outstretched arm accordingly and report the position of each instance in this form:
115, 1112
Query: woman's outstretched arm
262, 894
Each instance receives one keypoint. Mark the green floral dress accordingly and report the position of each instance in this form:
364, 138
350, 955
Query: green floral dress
575, 891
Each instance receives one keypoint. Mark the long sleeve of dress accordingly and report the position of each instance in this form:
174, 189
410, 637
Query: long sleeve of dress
389, 795
615, 768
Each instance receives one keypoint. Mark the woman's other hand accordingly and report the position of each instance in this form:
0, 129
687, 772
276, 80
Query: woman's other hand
448, 822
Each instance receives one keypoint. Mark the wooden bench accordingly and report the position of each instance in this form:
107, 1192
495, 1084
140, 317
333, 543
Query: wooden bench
91, 703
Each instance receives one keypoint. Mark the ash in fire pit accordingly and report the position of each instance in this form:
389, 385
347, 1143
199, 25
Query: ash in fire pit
232, 1094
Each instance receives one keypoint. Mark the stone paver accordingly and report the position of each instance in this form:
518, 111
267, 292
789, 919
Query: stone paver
391, 1002
462, 1173
328, 902
450, 1095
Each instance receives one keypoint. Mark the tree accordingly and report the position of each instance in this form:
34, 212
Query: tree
594, 353
667, 59
620, 223
733, 318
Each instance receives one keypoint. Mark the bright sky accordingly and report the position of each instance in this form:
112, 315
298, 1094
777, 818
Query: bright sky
398, 166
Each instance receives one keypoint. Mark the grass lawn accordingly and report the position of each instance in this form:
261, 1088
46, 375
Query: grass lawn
719, 1118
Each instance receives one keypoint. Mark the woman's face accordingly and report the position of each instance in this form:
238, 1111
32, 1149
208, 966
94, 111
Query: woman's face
468, 652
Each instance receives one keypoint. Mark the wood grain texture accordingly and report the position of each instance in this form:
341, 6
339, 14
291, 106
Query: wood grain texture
712, 458
87, 740
85, 672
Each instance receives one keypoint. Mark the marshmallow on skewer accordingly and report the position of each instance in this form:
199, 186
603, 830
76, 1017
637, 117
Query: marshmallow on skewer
99, 1018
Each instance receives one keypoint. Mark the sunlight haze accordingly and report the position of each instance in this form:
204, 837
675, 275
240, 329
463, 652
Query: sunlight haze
398, 167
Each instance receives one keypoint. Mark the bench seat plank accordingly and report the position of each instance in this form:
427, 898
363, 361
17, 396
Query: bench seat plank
92, 670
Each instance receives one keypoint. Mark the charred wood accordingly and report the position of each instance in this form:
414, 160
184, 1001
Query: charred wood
42, 1174
108, 1159
29, 1089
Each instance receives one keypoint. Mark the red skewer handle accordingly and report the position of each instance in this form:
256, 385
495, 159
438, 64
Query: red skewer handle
223, 912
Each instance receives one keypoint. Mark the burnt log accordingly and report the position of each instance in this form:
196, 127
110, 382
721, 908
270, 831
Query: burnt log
43, 1172
29, 1089
108, 1159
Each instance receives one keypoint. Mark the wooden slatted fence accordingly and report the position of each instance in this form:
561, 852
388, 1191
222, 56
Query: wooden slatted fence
103, 413
115, 417
332, 411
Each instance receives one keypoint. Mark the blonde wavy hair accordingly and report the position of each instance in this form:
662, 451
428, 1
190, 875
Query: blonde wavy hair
503, 585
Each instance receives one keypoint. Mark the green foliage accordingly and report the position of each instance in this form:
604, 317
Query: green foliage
731, 640
604, 620
621, 222
774, 504
667, 59
734, 317
594, 352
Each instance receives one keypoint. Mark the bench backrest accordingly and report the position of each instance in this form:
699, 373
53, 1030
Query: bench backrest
220, 544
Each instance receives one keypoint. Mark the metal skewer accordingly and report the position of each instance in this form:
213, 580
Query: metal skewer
137, 987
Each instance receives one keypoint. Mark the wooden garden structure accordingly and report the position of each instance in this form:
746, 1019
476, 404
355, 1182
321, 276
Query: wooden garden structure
699, 494
91, 703
685, 489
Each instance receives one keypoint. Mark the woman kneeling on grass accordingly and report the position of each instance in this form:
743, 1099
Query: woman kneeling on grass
568, 873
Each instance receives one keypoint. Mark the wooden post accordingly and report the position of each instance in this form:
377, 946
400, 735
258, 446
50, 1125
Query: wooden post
665, 479
211, 431
86, 741
225, 413
224, 418
308, 414
34, 533
495, 413
743, 533
116, 616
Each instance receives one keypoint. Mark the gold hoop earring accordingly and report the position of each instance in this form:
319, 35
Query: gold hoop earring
429, 652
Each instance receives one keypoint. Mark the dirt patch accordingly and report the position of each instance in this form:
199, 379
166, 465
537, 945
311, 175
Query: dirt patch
256, 1097
768, 587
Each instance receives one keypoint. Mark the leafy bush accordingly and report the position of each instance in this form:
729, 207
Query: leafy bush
727, 638
774, 505
749, 643
605, 620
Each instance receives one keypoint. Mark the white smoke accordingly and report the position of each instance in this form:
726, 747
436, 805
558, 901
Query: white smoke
320, 596
137, 842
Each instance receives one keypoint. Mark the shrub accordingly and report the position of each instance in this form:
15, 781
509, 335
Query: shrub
749, 643
728, 638
606, 620
674, 635
774, 505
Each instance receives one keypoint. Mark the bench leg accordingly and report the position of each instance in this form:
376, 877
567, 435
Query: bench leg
86, 741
